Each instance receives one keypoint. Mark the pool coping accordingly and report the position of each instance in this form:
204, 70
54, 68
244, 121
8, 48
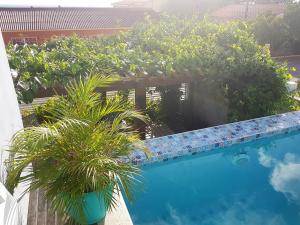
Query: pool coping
192, 142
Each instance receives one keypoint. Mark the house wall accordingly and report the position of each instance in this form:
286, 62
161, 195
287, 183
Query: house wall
43, 35
10, 122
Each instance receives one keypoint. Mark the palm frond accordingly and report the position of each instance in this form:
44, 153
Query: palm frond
80, 151
82, 97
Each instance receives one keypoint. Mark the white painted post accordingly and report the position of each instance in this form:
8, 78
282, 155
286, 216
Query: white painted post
10, 122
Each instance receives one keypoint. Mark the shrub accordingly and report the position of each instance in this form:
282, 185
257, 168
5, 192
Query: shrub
291, 19
271, 29
225, 56
283, 33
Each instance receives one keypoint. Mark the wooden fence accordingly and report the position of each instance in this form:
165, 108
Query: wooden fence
138, 84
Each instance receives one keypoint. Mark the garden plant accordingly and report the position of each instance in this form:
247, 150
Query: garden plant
81, 156
225, 57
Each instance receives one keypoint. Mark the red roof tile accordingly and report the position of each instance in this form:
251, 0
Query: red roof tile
25, 19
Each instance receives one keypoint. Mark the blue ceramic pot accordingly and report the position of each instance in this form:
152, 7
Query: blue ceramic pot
93, 208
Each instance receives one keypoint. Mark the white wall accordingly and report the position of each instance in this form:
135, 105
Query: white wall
10, 121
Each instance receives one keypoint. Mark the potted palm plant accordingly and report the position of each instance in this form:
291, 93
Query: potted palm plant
80, 158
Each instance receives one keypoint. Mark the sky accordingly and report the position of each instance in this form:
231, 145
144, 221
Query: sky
45, 3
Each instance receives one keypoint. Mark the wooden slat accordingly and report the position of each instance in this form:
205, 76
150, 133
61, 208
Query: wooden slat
127, 83
140, 104
50, 218
42, 209
32, 208
39, 213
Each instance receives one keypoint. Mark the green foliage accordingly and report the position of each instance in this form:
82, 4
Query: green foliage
83, 149
43, 112
283, 33
292, 18
271, 29
52, 64
153, 111
226, 56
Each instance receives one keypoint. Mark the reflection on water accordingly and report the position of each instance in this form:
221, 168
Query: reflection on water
234, 213
242, 213
264, 159
257, 183
285, 176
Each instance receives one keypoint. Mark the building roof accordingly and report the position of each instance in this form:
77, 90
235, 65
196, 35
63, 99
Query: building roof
238, 11
134, 3
26, 19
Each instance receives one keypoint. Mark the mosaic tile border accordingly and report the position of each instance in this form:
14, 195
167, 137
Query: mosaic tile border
193, 142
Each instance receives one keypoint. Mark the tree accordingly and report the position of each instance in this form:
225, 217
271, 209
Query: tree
292, 20
271, 29
283, 33
226, 56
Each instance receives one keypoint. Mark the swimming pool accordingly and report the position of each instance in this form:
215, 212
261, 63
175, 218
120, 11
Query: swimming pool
255, 183
252, 183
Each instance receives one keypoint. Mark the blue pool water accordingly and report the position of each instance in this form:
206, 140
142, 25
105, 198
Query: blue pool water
256, 183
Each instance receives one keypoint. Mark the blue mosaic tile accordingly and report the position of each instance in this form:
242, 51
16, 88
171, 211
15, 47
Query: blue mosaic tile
193, 142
